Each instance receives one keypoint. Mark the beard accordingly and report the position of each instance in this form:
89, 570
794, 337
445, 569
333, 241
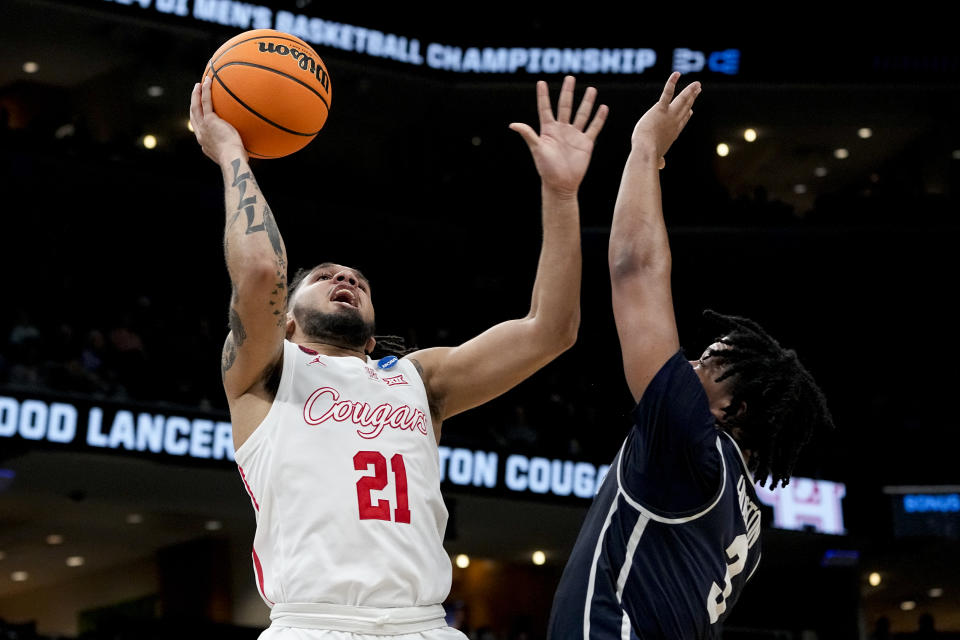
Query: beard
345, 328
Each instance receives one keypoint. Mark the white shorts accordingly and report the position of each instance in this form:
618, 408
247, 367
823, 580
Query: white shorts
316, 621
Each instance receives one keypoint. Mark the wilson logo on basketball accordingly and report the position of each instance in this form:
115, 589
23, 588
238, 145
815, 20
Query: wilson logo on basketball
325, 404
306, 62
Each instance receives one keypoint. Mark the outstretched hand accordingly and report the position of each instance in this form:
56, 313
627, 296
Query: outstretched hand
664, 121
562, 151
215, 135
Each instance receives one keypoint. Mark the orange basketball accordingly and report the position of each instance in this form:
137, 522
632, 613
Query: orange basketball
271, 86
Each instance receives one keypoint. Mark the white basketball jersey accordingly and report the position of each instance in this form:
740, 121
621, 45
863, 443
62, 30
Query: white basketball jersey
344, 478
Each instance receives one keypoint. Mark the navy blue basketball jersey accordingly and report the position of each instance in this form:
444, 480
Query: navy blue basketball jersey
674, 530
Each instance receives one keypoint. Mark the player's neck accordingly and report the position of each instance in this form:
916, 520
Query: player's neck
327, 349
737, 434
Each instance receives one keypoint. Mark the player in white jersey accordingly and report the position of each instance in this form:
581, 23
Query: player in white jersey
339, 452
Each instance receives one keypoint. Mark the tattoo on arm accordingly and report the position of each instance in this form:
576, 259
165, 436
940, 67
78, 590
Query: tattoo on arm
236, 338
239, 333
246, 205
435, 408
280, 289
268, 224
229, 356
418, 366
273, 232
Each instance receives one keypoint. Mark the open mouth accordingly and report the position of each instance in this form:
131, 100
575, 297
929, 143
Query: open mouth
345, 296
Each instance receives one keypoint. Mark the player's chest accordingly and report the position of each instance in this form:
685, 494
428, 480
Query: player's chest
356, 398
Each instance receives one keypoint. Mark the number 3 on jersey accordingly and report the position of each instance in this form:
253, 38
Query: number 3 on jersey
377, 482
717, 599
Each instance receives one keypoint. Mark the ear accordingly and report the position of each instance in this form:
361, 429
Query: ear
371, 343
291, 325
742, 410
723, 415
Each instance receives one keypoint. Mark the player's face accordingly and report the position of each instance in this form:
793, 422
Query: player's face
332, 306
335, 289
708, 369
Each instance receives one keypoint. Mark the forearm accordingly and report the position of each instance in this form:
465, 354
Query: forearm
638, 234
254, 251
555, 303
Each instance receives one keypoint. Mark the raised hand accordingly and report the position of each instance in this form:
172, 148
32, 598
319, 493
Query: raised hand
217, 137
562, 151
664, 121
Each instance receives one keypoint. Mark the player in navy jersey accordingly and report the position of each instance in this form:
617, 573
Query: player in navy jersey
674, 531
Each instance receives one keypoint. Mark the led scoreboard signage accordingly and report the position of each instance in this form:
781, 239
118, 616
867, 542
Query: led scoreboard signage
925, 511
193, 437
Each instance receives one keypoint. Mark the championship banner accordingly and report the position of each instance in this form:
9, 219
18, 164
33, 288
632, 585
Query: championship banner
442, 56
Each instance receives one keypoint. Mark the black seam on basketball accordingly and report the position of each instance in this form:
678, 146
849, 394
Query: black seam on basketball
262, 117
278, 72
260, 156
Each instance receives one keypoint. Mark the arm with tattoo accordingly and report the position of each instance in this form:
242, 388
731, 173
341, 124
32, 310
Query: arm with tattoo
255, 256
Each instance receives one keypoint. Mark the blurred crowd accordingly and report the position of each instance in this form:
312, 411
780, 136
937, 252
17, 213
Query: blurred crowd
129, 359
145, 356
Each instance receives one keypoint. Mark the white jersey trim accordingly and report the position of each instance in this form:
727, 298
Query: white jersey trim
658, 518
593, 566
755, 567
645, 516
632, 544
740, 453
286, 383
625, 627
631, 550
362, 620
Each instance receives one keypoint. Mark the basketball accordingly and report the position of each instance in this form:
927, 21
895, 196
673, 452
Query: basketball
273, 88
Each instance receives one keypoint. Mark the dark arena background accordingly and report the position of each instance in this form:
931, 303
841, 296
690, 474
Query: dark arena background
835, 225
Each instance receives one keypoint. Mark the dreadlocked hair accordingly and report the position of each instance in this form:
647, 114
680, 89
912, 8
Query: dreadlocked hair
390, 346
783, 404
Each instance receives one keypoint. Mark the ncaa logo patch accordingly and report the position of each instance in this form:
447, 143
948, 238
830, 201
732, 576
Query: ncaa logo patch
387, 361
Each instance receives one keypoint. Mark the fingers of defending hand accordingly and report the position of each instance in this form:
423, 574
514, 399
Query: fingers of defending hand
543, 104
669, 88
528, 134
594, 129
586, 108
565, 104
685, 100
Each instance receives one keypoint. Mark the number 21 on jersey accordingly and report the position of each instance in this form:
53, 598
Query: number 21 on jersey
377, 482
